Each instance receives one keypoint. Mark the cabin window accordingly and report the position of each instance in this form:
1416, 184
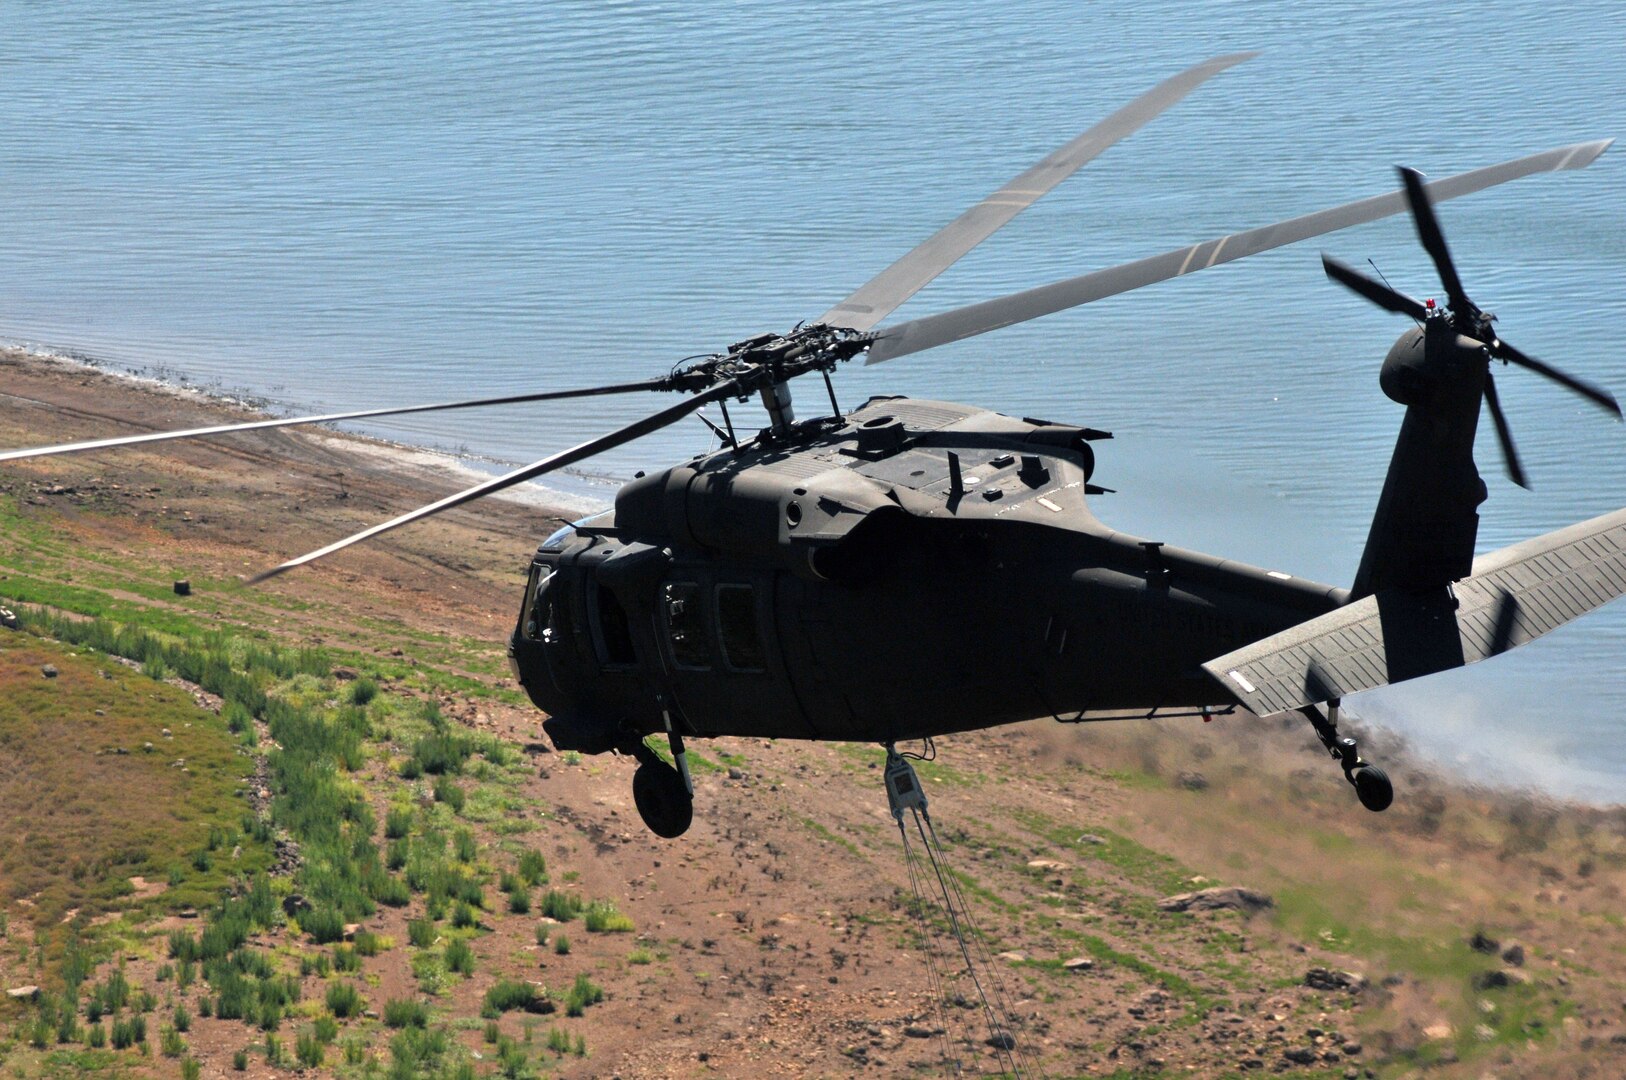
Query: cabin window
686, 625
612, 632
535, 616
737, 628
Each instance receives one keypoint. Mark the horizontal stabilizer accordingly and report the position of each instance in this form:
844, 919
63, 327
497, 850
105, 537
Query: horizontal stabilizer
1513, 596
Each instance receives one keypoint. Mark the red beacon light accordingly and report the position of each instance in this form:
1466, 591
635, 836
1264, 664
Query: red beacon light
1429, 303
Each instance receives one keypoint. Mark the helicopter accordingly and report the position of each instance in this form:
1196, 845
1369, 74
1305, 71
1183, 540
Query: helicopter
913, 568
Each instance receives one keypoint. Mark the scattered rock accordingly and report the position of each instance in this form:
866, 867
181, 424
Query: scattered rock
147, 747
49, 671
1491, 980
735, 773
8, 618
351, 929
1513, 954
1091, 838
344, 674
1192, 780
1483, 943
183, 587
1012, 957
1300, 1055
1326, 979
1351, 1049
1229, 897
1045, 864
1001, 1040
188, 913
166, 733
916, 1031
294, 905
23, 993
1078, 963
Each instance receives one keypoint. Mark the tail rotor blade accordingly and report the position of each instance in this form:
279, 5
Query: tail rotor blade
1602, 398
1504, 435
1428, 230
1376, 291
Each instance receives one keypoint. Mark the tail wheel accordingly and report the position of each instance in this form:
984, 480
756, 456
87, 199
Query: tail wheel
663, 801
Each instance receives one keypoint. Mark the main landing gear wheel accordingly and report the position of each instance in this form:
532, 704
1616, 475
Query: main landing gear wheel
663, 799
1373, 788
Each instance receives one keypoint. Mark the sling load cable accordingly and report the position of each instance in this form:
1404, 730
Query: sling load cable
1002, 1003
934, 978
904, 792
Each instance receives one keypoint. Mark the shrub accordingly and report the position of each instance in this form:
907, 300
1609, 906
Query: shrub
640, 956
343, 999
493, 1032
401, 1012
449, 793
560, 905
324, 925
559, 1040
391, 891
326, 1029
183, 1019
398, 822
442, 752
506, 995
463, 916
368, 943
421, 933
399, 853
533, 868
309, 1051
561, 945
460, 958
170, 1042
239, 1061
583, 992
346, 960
519, 899
463, 845
273, 1050
601, 917
541, 933
410, 769
190, 1069
362, 691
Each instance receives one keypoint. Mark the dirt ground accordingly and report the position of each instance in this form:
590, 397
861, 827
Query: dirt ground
778, 937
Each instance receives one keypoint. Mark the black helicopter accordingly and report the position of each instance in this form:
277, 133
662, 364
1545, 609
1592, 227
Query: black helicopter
914, 568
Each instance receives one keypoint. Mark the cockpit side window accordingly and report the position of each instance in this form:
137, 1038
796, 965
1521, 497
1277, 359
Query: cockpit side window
682, 603
737, 628
612, 632
536, 615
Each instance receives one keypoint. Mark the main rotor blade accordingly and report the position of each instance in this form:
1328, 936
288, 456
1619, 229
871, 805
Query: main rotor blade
1428, 231
256, 425
1504, 435
1602, 398
576, 453
903, 338
1376, 291
882, 294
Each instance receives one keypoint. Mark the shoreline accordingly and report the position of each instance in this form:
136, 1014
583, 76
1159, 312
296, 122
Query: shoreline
430, 459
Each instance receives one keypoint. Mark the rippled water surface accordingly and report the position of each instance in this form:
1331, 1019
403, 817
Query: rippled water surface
366, 204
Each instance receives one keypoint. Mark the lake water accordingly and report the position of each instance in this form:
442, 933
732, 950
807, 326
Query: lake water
369, 204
